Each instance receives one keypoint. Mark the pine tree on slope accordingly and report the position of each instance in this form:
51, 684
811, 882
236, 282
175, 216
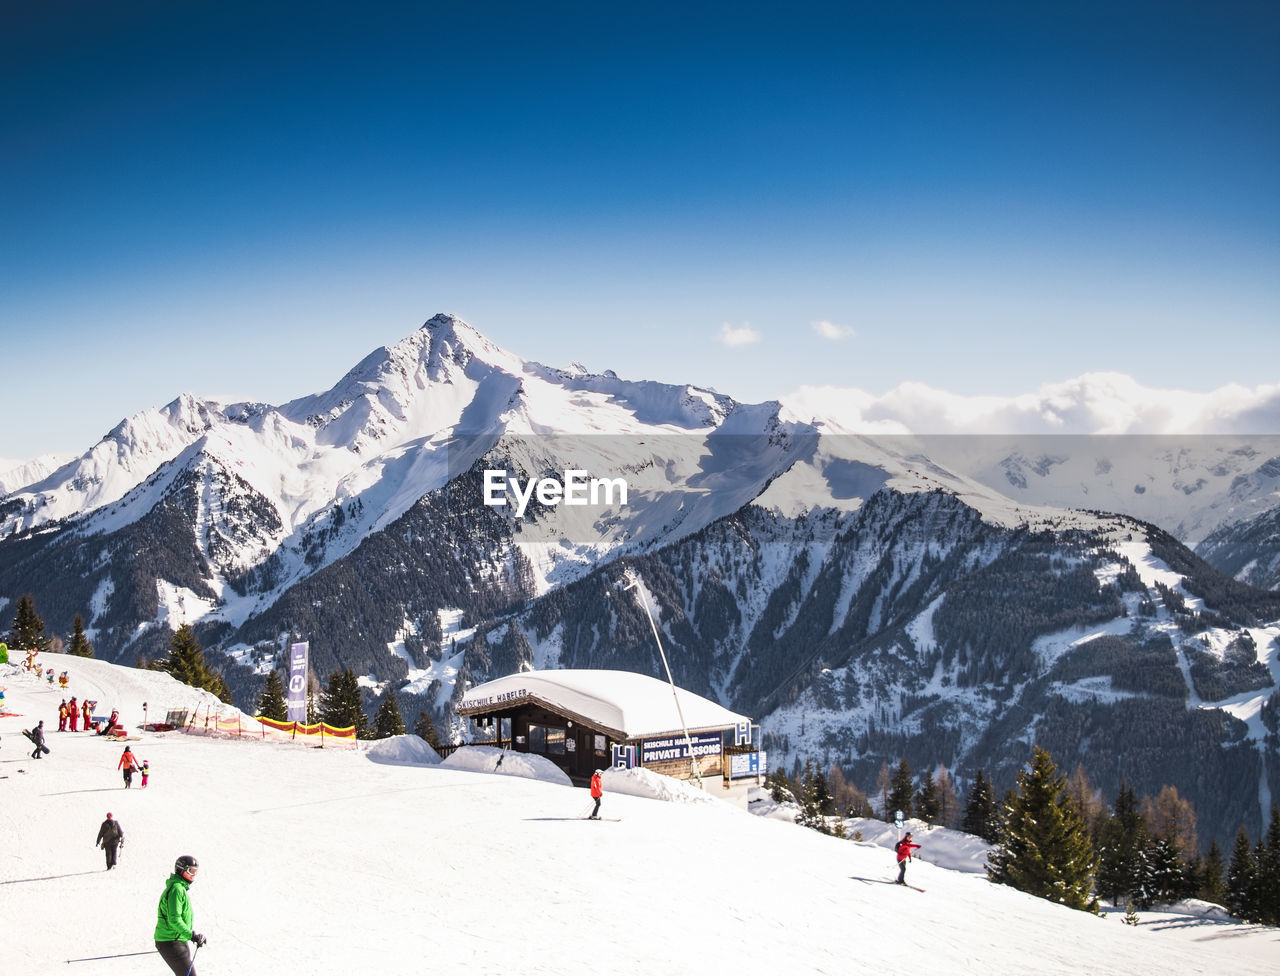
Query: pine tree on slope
387, 722
272, 703
980, 815
186, 663
1044, 846
1241, 880
80, 646
1213, 886
925, 803
1124, 843
426, 729
341, 705
27, 632
901, 792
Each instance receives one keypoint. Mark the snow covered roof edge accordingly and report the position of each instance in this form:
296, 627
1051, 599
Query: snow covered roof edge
633, 705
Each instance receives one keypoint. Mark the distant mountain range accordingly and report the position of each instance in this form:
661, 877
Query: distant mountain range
449, 512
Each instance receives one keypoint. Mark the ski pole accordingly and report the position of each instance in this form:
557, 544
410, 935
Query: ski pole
193, 960
119, 955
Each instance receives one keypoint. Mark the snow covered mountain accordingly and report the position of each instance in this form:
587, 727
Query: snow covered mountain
864, 596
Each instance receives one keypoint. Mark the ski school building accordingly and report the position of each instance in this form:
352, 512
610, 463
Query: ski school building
583, 720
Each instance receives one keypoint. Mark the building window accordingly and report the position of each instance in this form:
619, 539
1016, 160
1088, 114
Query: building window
546, 739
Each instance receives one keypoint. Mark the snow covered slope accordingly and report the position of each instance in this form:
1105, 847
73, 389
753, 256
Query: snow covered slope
325, 861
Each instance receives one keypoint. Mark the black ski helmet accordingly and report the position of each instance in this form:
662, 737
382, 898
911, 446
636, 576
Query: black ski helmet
184, 864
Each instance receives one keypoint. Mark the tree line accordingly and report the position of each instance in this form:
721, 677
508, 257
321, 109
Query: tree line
1054, 836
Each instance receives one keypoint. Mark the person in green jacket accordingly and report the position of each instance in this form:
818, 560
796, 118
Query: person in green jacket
174, 919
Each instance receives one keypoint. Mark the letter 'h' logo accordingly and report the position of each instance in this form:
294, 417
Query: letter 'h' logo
624, 757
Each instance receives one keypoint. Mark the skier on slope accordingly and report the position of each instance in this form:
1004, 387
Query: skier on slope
174, 919
903, 849
110, 837
597, 791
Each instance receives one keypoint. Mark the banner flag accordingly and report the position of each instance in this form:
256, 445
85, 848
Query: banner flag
297, 699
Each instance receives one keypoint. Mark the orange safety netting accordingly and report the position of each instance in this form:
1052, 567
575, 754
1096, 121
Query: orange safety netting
242, 726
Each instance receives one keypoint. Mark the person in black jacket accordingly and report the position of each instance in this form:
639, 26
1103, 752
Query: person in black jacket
37, 736
110, 837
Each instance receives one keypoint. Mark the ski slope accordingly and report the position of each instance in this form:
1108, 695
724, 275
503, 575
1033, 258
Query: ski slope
375, 859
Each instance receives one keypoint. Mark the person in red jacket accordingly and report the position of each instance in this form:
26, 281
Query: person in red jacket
128, 762
73, 713
597, 791
904, 849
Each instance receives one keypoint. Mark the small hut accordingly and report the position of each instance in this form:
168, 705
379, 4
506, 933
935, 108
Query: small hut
583, 720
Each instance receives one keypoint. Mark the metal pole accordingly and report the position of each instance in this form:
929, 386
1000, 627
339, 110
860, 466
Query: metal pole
693, 760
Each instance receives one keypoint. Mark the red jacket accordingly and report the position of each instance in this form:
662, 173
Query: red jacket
127, 759
597, 789
904, 849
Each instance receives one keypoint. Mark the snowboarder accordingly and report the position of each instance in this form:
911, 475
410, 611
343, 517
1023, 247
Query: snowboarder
128, 762
73, 714
37, 737
146, 771
903, 849
597, 791
110, 837
174, 920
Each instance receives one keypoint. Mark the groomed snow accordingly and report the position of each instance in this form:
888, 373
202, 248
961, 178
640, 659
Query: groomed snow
324, 861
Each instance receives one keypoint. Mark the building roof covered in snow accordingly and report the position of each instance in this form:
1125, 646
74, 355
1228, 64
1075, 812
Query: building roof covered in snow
628, 706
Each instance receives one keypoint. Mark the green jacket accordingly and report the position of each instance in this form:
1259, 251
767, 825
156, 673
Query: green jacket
173, 916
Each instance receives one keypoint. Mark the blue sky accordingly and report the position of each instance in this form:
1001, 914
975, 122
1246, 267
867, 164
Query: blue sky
246, 198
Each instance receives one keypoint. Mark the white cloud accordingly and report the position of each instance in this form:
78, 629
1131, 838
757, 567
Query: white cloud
737, 335
829, 330
1095, 403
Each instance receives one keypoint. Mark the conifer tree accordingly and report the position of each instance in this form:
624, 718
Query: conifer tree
27, 632
387, 722
823, 799
426, 729
80, 646
1213, 885
900, 792
1164, 875
925, 803
1267, 865
980, 814
341, 705
1044, 846
272, 703
186, 663
1241, 880
1124, 844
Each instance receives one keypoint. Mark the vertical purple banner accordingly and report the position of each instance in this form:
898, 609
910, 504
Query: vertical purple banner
297, 699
